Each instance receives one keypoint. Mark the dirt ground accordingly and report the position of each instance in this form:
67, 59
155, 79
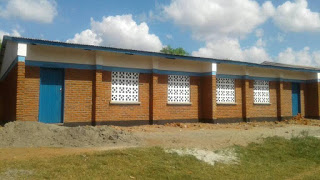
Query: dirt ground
218, 136
32, 143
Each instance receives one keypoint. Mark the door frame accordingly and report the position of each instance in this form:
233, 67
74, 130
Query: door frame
62, 94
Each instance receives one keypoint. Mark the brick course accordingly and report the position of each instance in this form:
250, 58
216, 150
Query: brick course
285, 99
163, 111
78, 95
115, 112
312, 100
226, 111
9, 96
31, 93
88, 96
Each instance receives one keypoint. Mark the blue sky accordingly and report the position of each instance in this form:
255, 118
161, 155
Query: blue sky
246, 30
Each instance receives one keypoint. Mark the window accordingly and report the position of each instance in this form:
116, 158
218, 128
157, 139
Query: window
225, 90
125, 87
261, 92
178, 89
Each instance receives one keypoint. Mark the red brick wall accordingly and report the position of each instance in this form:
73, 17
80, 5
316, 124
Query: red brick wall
311, 100
31, 93
256, 110
302, 98
163, 111
21, 73
285, 107
8, 96
207, 97
78, 95
114, 112
88, 96
231, 110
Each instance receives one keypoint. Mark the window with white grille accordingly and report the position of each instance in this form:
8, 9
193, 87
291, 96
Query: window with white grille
261, 93
225, 90
125, 87
178, 89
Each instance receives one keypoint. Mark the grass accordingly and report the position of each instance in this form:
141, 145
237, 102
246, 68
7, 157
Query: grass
275, 158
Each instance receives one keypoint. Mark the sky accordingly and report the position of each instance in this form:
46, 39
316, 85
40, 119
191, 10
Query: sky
285, 31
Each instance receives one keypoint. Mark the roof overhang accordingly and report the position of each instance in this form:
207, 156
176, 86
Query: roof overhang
143, 53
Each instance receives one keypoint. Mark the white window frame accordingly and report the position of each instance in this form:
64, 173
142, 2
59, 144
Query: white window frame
178, 89
125, 87
225, 92
261, 92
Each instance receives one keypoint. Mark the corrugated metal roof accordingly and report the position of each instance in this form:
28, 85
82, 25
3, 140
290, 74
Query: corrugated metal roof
289, 65
148, 53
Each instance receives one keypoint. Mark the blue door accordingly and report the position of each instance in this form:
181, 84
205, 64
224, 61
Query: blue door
51, 95
296, 105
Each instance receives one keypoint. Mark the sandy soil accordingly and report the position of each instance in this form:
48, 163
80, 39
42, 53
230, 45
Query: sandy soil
217, 136
179, 135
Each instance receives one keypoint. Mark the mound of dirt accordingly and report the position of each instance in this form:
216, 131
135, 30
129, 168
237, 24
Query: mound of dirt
34, 134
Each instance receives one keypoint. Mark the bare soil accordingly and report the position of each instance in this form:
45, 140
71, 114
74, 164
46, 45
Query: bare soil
218, 136
34, 134
23, 140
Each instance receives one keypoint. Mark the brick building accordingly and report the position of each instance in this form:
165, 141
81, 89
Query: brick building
56, 82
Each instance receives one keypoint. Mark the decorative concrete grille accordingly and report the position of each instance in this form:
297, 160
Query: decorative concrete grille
261, 92
178, 88
225, 90
125, 86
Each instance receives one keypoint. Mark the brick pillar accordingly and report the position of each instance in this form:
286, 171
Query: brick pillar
247, 100
312, 100
208, 98
21, 71
303, 99
284, 100
214, 97
152, 88
21, 74
96, 98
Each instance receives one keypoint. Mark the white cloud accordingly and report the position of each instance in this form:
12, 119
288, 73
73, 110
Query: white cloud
259, 33
42, 11
302, 57
14, 32
86, 37
280, 37
231, 49
296, 17
215, 18
261, 43
169, 36
119, 31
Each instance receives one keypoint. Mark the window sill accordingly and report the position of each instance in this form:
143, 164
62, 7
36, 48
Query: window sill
125, 103
179, 104
226, 103
262, 103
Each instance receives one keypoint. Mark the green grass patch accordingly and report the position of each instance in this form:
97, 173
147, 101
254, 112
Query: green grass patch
275, 158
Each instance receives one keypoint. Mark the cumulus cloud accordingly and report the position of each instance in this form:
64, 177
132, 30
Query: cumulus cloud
231, 49
119, 31
221, 24
14, 32
214, 18
296, 17
42, 11
301, 57
259, 33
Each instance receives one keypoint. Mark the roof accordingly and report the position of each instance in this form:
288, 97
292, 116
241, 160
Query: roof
148, 53
289, 65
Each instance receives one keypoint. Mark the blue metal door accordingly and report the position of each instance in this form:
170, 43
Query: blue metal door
296, 105
51, 95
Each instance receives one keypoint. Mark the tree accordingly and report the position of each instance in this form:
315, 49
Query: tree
0, 44
177, 51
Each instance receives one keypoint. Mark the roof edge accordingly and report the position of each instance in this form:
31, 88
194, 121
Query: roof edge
145, 53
